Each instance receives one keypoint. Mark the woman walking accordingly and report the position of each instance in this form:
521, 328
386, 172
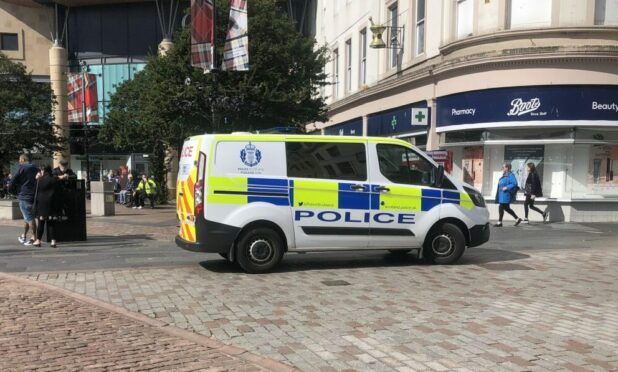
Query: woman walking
507, 189
533, 190
46, 206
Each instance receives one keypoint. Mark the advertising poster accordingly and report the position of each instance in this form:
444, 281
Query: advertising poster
603, 168
472, 166
443, 158
519, 156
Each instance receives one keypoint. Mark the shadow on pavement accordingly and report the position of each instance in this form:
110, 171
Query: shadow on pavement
349, 260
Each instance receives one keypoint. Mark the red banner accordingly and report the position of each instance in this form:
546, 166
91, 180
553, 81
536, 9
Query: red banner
75, 99
202, 34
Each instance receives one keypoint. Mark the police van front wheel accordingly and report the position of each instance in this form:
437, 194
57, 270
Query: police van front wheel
445, 245
259, 250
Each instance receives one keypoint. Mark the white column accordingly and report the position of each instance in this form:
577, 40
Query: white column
58, 63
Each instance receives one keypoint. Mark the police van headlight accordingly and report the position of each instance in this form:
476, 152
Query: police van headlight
476, 197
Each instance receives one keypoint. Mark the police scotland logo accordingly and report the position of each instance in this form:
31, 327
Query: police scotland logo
250, 155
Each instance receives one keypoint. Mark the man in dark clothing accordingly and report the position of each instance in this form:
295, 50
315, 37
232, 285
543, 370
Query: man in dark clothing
24, 185
63, 172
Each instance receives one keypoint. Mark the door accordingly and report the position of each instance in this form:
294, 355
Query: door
402, 197
329, 194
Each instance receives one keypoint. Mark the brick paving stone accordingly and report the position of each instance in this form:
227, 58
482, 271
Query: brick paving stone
560, 312
45, 330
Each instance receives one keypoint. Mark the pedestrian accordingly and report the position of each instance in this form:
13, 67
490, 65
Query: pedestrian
533, 189
6, 181
128, 190
147, 188
63, 172
46, 206
505, 194
24, 185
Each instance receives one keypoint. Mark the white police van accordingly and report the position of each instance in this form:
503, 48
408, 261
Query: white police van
252, 198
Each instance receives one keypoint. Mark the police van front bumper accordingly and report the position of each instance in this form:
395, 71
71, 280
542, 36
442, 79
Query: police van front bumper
479, 234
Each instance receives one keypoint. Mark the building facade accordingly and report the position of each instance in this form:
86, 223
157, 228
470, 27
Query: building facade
486, 81
112, 38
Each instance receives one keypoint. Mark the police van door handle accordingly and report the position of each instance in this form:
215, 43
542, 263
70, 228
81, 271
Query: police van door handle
357, 187
382, 189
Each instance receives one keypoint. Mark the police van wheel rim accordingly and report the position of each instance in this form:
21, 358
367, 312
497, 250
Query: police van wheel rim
261, 251
442, 245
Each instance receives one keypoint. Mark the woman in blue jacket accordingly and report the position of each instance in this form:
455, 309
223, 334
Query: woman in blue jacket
507, 189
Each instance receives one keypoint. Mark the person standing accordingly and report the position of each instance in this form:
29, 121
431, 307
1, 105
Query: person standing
46, 206
147, 188
63, 172
507, 189
24, 185
532, 189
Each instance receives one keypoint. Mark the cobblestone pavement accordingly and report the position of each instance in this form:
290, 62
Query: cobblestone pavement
42, 329
551, 305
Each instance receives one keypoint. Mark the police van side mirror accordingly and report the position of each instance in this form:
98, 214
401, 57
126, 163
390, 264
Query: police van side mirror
438, 177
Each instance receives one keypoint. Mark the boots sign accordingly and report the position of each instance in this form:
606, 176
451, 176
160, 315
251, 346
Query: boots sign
591, 105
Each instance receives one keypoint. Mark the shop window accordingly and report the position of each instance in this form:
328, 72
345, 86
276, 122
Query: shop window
9, 41
472, 163
347, 161
606, 12
464, 18
519, 156
529, 13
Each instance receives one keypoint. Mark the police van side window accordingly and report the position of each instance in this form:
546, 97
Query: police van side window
327, 160
402, 165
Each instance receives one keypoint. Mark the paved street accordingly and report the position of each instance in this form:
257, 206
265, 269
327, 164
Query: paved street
48, 329
538, 297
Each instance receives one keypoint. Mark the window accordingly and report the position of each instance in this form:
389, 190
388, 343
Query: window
420, 27
348, 65
9, 42
402, 165
362, 76
345, 161
335, 73
529, 13
464, 18
606, 12
392, 12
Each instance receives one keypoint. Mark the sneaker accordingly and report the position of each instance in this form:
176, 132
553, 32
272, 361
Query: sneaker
499, 224
544, 216
525, 221
21, 239
519, 220
29, 242
140, 207
134, 207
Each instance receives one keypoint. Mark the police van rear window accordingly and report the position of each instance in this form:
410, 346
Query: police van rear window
327, 160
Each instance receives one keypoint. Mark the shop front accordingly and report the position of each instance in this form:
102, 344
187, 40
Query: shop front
569, 132
409, 123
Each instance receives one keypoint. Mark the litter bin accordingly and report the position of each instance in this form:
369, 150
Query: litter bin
102, 200
72, 227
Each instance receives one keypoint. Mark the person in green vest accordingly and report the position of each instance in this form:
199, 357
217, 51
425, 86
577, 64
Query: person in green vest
146, 188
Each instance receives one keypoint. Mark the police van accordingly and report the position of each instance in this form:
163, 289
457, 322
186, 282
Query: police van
252, 198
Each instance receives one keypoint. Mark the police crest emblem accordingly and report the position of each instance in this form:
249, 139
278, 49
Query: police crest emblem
250, 155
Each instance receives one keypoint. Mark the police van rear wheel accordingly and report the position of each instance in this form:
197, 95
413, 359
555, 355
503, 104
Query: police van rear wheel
259, 250
445, 245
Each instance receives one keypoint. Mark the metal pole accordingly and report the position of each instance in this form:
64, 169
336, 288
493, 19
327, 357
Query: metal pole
85, 122
215, 127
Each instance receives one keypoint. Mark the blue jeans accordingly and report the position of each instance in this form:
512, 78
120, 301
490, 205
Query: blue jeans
26, 210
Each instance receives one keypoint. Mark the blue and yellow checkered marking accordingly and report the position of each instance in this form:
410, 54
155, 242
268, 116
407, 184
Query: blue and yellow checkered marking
324, 194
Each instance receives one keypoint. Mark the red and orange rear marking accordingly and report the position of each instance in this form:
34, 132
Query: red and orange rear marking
185, 207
